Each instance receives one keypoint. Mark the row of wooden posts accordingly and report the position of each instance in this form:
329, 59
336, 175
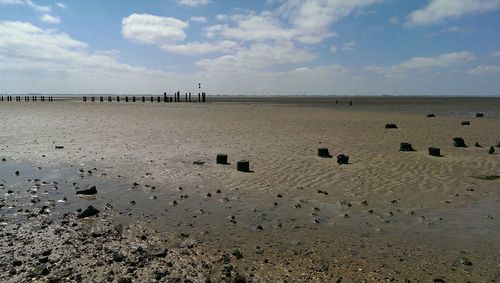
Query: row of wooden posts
176, 97
26, 98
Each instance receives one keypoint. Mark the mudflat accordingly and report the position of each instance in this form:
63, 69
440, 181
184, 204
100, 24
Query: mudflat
168, 212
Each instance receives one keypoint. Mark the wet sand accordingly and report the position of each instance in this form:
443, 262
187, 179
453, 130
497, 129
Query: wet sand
388, 215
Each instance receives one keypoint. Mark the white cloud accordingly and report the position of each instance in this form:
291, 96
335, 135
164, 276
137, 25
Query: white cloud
394, 20
348, 46
198, 19
314, 17
439, 10
196, 48
50, 19
479, 70
193, 3
29, 3
153, 29
61, 5
258, 56
32, 57
333, 48
422, 63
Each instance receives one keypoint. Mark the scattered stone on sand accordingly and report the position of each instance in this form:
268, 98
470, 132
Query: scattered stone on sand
391, 126
342, 159
431, 115
91, 191
465, 123
479, 115
323, 152
321, 192
491, 150
198, 162
404, 146
458, 142
477, 145
59, 147
90, 211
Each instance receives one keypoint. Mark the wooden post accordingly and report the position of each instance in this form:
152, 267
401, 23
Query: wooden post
350, 102
117, 98
152, 99
186, 98
109, 99
221, 159
101, 99
143, 99
126, 98
199, 97
84, 99
243, 166
164, 97
189, 96
158, 99
133, 98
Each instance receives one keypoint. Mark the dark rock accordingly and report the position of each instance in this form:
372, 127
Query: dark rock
465, 123
198, 162
3, 159
479, 115
464, 260
342, 159
477, 145
406, 147
118, 257
17, 263
59, 147
124, 280
17, 173
221, 159
434, 151
391, 126
239, 279
458, 142
322, 192
492, 150
91, 191
323, 152
439, 280
431, 115
237, 254
90, 211
279, 196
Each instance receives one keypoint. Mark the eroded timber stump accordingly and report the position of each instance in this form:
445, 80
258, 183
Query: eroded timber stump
243, 166
434, 151
323, 152
221, 158
459, 142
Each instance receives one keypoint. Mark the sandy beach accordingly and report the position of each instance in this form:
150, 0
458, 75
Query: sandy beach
169, 213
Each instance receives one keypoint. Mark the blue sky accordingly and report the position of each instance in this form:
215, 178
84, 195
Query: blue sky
308, 47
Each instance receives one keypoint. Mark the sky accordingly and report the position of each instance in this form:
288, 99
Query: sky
236, 47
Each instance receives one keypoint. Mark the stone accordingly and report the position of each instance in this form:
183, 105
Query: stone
434, 151
477, 145
237, 254
492, 150
59, 147
431, 115
239, 279
458, 142
479, 115
90, 211
91, 191
406, 147
391, 126
465, 123
323, 152
342, 159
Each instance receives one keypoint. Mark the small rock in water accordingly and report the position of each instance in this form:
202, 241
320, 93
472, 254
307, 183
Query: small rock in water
91, 191
90, 211
17, 173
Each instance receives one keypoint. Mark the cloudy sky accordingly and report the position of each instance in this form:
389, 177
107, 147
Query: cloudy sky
297, 47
